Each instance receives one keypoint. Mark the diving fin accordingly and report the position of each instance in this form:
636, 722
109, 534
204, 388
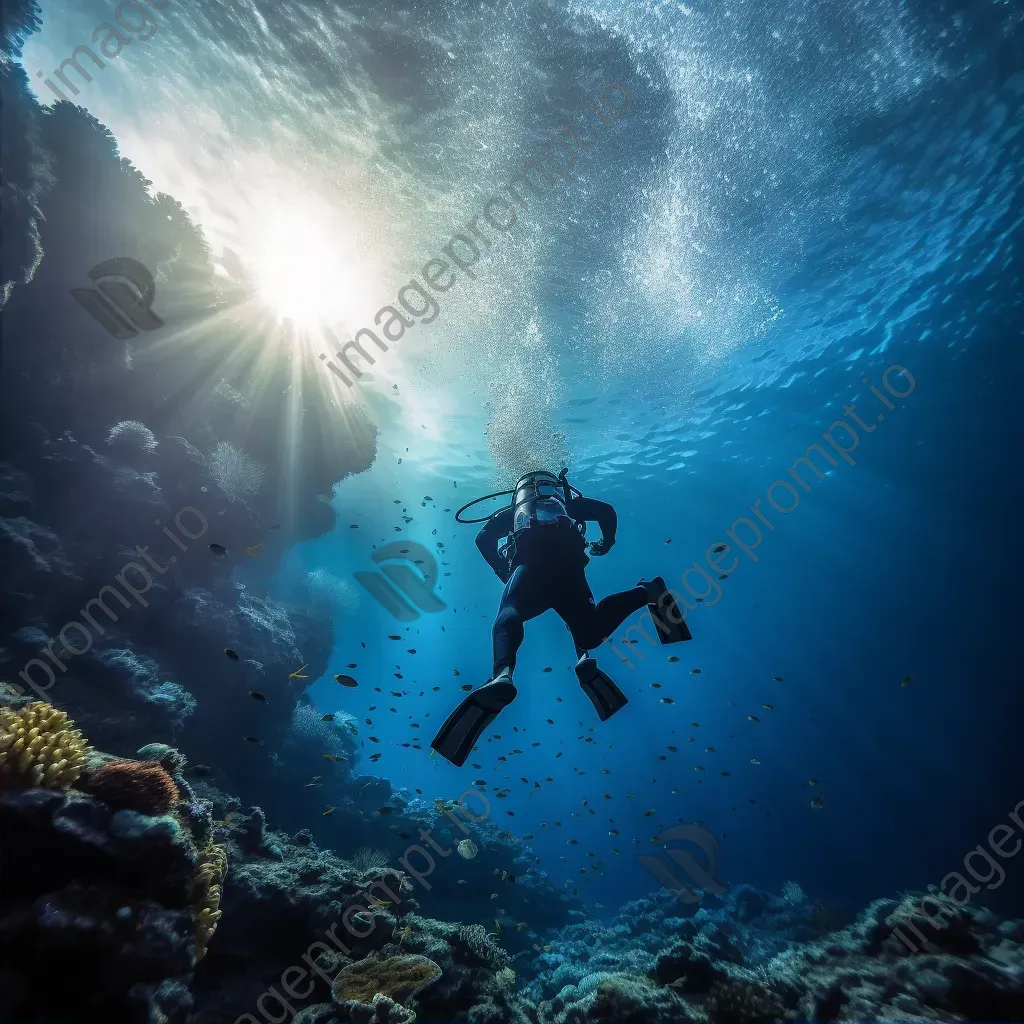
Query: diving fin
668, 619
606, 697
457, 737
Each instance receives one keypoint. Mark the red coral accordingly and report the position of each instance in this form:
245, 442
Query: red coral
138, 785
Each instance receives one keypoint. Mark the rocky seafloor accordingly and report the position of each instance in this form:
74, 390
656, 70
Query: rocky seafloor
135, 893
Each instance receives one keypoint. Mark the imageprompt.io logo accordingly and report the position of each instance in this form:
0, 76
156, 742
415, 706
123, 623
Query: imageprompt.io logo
703, 877
402, 590
121, 299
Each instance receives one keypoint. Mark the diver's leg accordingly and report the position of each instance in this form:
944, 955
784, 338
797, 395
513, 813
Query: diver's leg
574, 602
592, 623
523, 599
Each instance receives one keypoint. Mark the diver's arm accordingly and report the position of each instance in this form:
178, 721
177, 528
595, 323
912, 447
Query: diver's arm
487, 539
592, 510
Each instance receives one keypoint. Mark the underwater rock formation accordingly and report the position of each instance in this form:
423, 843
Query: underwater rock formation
120, 462
755, 960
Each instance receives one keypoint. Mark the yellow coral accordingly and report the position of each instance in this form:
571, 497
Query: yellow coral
39, 744
213, 867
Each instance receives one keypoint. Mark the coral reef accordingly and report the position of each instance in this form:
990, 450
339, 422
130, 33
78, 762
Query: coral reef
40, 746
399, 978
742, 1002
103, 893
756, 959
213, 868
133, 899
142, 786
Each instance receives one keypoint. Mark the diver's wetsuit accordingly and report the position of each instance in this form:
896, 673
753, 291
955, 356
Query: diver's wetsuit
549, 573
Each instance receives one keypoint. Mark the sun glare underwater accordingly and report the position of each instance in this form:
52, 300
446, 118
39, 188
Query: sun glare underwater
508, 512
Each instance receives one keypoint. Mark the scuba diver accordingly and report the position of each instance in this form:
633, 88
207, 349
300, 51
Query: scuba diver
537, 547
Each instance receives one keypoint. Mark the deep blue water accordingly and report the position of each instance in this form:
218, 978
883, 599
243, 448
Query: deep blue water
802, 197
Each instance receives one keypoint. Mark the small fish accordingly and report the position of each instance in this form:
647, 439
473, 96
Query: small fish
767, 707
778, 679
466, 687
219, 550
394, 636
547, 669
719, 548
754, 760
812, 782
297, 674
725, 775
699, 768
753, 718
255, 549
650, 813
199, 770
231, 654
375, 757
817, 802
335, 758
276, 526
709, 750
907, 680
673, 659
522, 926
327, 718
345, 680
329, 811
666, 700
256, 695
253, 739
695, 671
385, 810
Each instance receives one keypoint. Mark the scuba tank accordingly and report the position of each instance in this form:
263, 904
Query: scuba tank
541, 524
540, 517
538, 497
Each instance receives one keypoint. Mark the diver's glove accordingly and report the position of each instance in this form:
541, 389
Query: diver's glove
602, 546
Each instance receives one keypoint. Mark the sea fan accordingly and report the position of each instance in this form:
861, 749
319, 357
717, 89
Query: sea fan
130, 436
238, 475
